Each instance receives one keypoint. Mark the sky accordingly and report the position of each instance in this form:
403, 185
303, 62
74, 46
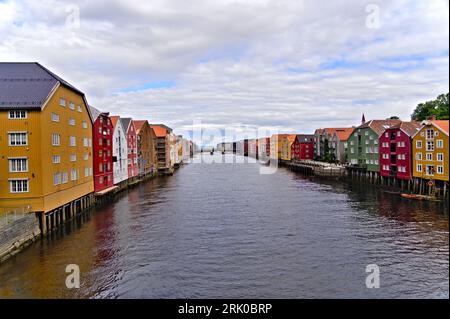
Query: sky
237, 66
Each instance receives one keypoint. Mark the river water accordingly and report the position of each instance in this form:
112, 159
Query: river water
227, 231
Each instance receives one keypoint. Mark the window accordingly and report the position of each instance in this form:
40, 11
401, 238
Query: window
429, 156
18, 185
367, 142
18, 165
56, 159
62, 102
375, 150
55, 117
375, 142
85, 142
430, 133
72, 141
366, 133
386, 134
440, 157
90, 142
430, 170
419, 156
376, 162
71, 106
86, 156
352, 143
439, 144
74, 175
419, 168
100, 167
79, 109
72, 122
85, 124
18, 139
440, 169
99, 141
430, 145
352, 150
56, 178
399, 133
56, 139
17, 114
73, 157
65, 177
418, 144
100, 180
86, 171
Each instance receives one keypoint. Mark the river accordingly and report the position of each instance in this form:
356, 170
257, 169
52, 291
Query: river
227, 231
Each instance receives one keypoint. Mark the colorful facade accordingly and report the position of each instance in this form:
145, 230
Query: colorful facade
162, 146
363, 144
45, 139
303, 147
264, 148
286, 147
430, 148
146, 141
253, 148
339, 144
395, 150
102, 137
132, 163
120, 151
275, 146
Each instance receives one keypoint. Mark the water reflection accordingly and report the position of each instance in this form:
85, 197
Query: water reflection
224, 230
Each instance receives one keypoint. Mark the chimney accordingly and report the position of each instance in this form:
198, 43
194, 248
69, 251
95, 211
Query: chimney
431, 118
363, 119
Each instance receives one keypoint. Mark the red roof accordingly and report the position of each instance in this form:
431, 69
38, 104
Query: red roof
344, 133
442, 124
159, 130
114, 120
138, 124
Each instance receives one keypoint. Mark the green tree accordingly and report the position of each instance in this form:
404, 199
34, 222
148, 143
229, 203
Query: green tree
395, 117
438, 107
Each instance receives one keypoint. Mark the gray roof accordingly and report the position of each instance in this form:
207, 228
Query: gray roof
305, 137
95, 113
125, 122
27, 85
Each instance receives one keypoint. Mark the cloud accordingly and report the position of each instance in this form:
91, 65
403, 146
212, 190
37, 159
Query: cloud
287, 65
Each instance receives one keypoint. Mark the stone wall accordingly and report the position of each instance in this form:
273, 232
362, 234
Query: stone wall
18, 234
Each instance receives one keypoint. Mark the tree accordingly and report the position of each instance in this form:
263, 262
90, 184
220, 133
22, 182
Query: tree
395, 117
438, 108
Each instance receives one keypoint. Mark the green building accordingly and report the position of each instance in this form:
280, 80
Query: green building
363, 148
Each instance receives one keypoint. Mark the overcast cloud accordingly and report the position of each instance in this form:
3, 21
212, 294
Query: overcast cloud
290, 65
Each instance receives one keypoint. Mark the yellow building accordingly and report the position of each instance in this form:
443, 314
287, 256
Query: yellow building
286, 144
45, 140
275, 145
430, 151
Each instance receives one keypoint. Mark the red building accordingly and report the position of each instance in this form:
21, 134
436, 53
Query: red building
396, 149
245, 147
133, 169
102, 138
303, 147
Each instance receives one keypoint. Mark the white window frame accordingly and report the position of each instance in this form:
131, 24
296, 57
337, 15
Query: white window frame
419, 144
440, 169
56, 139
72, 141
72, 122
17, 112
419, 168
62, 102
440, 157
56, 159
439, 143
55, 117
12, 180
13, 168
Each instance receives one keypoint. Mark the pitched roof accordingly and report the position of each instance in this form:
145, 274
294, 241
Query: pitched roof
125, 122
379, 126
95, 112
160, 130
168, 129
442, 124
302, 138
28, 85
138, 124
343, 134
410, 128
291, 138
114, 120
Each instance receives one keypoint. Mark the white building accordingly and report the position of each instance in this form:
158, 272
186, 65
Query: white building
120, 151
